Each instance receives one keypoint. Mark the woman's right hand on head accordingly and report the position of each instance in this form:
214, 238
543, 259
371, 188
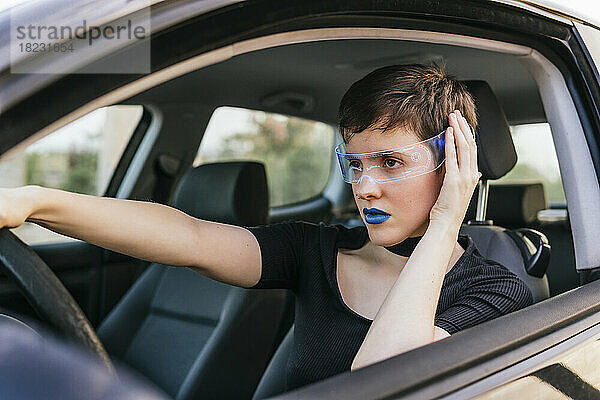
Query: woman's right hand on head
462, 173
16, 205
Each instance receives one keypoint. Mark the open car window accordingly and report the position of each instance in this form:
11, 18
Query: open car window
80, 157
296, 152
536, 161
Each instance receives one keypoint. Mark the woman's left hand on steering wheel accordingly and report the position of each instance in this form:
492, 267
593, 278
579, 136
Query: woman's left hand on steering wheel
461, 174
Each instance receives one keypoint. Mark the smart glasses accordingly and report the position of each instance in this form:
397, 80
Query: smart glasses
394, 164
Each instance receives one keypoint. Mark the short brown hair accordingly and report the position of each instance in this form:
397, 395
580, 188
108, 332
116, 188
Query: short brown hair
418, 97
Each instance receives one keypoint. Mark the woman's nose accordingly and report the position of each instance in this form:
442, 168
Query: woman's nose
367, 187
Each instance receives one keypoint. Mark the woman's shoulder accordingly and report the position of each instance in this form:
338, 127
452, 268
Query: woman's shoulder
290, 225
350, 237
479, 273
472, 262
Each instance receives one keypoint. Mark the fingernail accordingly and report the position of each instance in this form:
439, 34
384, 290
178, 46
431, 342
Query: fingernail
458, 113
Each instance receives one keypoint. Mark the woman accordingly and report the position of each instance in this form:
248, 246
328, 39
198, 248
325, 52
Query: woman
362, 294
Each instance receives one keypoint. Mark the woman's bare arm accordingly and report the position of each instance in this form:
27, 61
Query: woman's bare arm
145, 230
405, 320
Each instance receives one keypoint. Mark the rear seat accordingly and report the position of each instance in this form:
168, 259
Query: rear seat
511, 205
517, 205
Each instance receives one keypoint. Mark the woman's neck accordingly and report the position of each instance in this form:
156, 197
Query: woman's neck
379, 256
406, 247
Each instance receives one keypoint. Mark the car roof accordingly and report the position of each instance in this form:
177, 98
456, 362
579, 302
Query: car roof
271, 79
574, 9
99, 12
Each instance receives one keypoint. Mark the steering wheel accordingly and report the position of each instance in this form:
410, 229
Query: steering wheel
47, 295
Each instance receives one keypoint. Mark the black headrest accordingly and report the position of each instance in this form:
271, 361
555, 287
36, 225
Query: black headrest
496, 150
512, 205
233, 192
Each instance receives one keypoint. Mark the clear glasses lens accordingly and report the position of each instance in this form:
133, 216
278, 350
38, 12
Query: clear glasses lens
394, 164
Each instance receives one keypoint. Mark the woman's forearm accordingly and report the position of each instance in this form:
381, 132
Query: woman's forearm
144, 230
405, 320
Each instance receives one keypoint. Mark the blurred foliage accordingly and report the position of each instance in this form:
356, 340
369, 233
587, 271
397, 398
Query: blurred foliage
553, 188
296, 154
73, 171
32, 170
72, 166
82, 174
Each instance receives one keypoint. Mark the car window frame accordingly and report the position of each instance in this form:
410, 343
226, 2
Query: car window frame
118, 174
304, 206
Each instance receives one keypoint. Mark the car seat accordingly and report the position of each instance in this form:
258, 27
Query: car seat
512, 248
524, 251
512, 205
192, 336
518, 204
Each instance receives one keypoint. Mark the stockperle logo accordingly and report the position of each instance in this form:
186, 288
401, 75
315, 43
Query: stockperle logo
78, 44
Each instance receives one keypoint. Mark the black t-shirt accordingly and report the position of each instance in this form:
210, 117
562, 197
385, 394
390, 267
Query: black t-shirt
302, 256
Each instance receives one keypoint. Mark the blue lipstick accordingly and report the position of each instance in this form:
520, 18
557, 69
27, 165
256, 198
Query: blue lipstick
375, 216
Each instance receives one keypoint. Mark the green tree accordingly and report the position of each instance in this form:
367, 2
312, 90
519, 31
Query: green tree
296, 154
81, 176
32, 169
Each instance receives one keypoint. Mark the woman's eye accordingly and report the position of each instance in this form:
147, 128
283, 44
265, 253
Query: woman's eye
354, 164
392, 163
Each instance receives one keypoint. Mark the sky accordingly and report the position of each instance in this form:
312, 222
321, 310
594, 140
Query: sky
70, 136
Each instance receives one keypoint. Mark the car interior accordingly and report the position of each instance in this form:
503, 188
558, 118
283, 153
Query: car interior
191, 335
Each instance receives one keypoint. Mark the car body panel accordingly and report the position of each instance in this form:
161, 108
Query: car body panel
570, 368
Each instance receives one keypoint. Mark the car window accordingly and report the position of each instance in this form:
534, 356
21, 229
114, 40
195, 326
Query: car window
80, 157
296, 152
537, 160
